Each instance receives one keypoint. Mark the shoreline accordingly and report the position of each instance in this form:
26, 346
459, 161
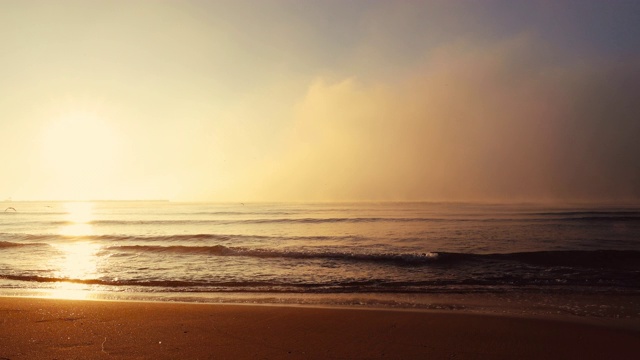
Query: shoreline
623, 306
35, 327
486, 309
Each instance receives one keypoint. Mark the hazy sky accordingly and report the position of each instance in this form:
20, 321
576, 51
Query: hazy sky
320, 100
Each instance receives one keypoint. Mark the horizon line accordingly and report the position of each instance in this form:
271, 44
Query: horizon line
602, 202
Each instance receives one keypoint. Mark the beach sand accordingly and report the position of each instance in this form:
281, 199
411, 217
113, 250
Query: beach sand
33, 328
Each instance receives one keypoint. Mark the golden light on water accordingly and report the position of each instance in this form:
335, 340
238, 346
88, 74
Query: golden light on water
79, 212
69, 291
78, 261
79, 216
76, 230
78, 258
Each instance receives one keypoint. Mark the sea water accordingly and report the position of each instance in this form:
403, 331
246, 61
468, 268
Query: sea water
392, 252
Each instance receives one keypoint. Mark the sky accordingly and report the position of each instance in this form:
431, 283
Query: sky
299, 100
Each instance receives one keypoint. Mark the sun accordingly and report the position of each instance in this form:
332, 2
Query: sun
79, 154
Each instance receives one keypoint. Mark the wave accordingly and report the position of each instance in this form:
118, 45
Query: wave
570, 258
335, 220
221, 250
588, 217
263, 213
162, 283
9, 244
257, 221
121, 237
200, 283
271, 285
629, 259
614, 259
476, 283
585, 259
589, 213
596, 219
177, 238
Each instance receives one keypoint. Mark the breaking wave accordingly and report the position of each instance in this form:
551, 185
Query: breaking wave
585, 259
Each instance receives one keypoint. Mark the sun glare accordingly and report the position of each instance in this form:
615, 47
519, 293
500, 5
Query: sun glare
78, 259
79, 216
79, 256
79, 153
69, 291
79, 262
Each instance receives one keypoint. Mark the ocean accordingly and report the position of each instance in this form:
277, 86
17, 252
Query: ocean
382, 254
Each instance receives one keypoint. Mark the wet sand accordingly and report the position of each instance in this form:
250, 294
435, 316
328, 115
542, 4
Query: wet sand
64, 329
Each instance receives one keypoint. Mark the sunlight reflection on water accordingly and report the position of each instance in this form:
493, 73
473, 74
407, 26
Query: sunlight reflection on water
69, 291
79, 217
79, 258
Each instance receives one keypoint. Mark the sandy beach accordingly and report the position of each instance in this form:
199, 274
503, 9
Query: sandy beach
33, 328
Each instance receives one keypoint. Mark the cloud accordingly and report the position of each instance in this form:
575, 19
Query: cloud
507, 120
